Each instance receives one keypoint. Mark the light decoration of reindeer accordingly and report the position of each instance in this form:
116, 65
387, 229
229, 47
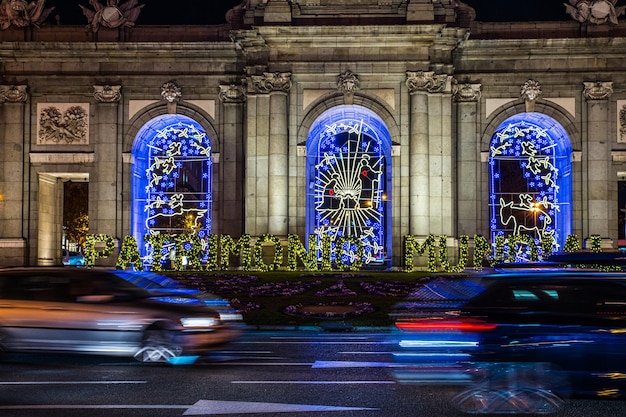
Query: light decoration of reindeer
524, 194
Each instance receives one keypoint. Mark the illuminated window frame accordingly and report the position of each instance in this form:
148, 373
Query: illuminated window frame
171, 183
530, 174
349, 181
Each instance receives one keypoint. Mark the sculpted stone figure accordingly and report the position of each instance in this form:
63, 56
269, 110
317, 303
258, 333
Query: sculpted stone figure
20, 13
594, 11
113, 15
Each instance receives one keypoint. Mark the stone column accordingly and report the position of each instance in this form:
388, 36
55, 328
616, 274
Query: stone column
597, 152
468, 145
12, 168
277, 86
103, 179
233, 98
427, 128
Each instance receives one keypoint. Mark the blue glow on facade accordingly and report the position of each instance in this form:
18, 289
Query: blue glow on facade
530, 178
171, 184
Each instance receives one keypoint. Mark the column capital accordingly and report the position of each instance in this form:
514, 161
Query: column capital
270, 81
427, 81
232, 93
13, 93
466, 92
107, 93
598, 90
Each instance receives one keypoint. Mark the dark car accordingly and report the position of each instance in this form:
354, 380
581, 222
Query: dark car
522, 342
164, 286
95, 311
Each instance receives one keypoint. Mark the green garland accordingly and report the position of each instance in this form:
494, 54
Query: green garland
514, 240
482, 251
547, 245
358, 256
500, 242
463, 254
242, 247
411, 246
193, 254
295, 250
212, 250
90, 251
258, 253
157, 240
326, 250
129, 254
596, 243
572, 243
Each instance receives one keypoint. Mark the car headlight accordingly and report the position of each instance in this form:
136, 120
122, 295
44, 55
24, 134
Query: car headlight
198, 322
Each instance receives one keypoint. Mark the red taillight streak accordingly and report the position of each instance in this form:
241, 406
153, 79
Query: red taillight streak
447, 326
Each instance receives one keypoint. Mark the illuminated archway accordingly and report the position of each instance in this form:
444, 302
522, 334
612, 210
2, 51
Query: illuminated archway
171, 184
530, 178
349, 180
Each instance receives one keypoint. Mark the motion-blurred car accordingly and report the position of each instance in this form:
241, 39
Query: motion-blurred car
163, 286
96, 311
73, 258
522, 342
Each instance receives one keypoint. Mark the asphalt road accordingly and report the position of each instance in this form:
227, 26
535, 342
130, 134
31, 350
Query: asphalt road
296, 374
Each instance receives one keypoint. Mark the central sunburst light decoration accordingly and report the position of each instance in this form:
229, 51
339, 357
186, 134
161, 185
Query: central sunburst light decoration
349, 191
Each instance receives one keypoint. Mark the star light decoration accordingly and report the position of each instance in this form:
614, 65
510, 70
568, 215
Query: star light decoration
178, 181
349, 190
524, 197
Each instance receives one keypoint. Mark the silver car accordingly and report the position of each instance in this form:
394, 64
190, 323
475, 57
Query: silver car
95, 311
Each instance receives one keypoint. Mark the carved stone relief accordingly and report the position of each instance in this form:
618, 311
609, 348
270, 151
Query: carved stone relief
597, 12
271, 81
113, 15
426, 81
598, 90
63, 123
466, 92
171, 92
21, 13
232, 93
107, 93
530, 92
13, 93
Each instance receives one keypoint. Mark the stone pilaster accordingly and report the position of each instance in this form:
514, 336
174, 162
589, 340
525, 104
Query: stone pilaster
430, 154
596, 154
467, 96
12, 168
103, 179
233, 98
276, 85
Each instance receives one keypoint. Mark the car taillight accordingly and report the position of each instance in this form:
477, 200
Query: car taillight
447, 325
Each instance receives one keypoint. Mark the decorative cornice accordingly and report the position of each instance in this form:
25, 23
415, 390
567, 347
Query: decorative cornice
598, 90
426, 81
13, 93
107, 93
232, 93
171, 92
348, 82
270, 81
467, 92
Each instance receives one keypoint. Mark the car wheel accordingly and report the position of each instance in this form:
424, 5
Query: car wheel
512, 388
159, 346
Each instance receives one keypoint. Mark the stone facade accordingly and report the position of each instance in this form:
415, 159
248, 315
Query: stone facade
439, 81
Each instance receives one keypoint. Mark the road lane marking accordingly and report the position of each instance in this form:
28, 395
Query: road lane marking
204, 407
69, 382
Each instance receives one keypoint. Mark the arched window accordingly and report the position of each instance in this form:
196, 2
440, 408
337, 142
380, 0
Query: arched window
530, 178
349, 180
171, 184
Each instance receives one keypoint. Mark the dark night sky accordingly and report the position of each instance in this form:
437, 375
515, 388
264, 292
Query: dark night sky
206, 12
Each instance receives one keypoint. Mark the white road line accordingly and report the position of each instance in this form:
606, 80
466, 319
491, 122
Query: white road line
69, 382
